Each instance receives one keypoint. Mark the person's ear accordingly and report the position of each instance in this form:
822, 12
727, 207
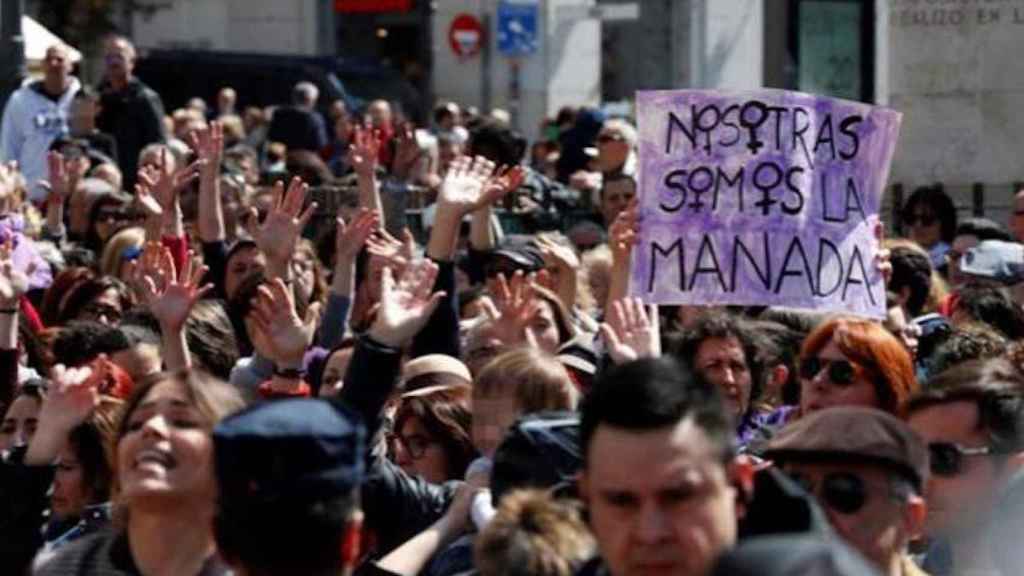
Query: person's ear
914, 516
352, 542
741, 475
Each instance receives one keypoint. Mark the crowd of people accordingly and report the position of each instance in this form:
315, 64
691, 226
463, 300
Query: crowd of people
227, 347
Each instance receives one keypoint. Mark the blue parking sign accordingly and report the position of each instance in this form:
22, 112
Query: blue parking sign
517, 27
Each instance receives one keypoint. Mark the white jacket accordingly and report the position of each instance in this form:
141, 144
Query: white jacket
31, 122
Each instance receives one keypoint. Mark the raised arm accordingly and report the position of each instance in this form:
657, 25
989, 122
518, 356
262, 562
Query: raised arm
64, 175
12, 285
363, 155
481, 228
349, 241
565, 263
166, 185
209, 146
282, 335
72, 397
631, 331
170, 295
279, 233
622, 238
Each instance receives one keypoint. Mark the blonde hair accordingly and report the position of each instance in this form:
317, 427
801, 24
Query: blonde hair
533, 534
584, 297
536, 379
597, 262
110, 261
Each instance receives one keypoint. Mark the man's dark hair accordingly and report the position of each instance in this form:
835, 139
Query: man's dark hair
994, 386
252, 535
497, 143
649, 394
911, 269
723, 325
993, 306
211, 338
983, 229
967, 342
82, 340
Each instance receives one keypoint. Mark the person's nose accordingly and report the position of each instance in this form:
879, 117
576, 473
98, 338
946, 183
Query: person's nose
156, 426
654, 526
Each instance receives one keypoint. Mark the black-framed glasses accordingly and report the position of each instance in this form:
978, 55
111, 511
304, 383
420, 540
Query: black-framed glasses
923, 219
844, 492
415, 444
94, 310
840, 371
947, 458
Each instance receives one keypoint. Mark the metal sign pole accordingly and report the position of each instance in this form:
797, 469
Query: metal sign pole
12, 48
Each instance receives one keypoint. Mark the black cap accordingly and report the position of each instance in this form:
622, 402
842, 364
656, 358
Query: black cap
522, 252
295, 450
541, 450
856, 435
793, 556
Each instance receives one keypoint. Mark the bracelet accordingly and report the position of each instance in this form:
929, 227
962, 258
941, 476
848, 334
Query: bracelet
8, 310
289, 373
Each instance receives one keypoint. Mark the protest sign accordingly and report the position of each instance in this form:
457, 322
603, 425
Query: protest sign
765, 197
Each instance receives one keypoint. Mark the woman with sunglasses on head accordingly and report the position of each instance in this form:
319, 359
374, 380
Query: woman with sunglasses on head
930, 216
855, 362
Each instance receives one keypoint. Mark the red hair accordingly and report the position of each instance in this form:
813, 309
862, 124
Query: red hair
866, 343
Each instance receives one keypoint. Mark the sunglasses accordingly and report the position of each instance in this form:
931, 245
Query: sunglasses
923, 219
840, 372
947, 458
843, 492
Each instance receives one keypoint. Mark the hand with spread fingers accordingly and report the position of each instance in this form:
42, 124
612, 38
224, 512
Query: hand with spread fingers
169, 294
64, 175
623, 234
364, 151
279, 233
512, 309
407, 151
284, 335
13, 282
395, 254
504, 181
350, 238
208, 145
631, 332
166, 183
406, 304
464, 188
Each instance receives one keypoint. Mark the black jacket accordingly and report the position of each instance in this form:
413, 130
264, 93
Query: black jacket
298, 129
397, 506
134, 116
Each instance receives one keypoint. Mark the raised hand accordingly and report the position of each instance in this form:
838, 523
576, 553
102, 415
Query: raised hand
72, 396
504, 181
512, 309
407, 151
623, 234
64, 175
631, 333
364, 151
166, 183
169, 294
557, 255
284, 335
396, 255
13, 282
464, 188
9, 176
350, 238
405, 305
208, 144
145, 200
279, 233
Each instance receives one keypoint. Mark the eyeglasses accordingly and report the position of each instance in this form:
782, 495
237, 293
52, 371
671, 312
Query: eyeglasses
606, 138
843, 492
947, 458
95, 310
415, 445
923, 219
840, 372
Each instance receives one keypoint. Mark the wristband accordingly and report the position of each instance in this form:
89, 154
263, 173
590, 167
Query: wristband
289, 373
9, 310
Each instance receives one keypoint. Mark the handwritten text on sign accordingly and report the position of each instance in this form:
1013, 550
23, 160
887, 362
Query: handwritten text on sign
761, 198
